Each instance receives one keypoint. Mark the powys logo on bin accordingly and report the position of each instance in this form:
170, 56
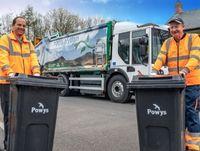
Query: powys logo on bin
156, 111
40, 109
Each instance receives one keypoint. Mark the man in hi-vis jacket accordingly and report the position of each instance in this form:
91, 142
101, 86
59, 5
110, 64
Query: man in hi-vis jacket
181, 53
17, 55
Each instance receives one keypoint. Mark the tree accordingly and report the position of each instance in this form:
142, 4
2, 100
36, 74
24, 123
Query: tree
55, 21
34, 22
30, 19
38, 26
6, 23
61, 21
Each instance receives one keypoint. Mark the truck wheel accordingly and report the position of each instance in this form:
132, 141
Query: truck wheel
117, 90
66, 91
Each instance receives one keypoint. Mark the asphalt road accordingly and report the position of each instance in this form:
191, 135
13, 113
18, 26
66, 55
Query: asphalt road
94, 124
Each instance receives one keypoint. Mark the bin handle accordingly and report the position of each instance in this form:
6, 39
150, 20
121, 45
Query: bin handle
20, 75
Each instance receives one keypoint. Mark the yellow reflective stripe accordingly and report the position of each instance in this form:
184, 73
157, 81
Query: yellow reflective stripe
3, 78
19, 54
180, 58
4, 48
181, 68
5, 67
172, 59
190, 42
32, 51
197, 68
10, 44
167, 48
195, 57
160, 59
175, 69
13, 53
25, 55
172, 69
168, 44
163, 52
195, 48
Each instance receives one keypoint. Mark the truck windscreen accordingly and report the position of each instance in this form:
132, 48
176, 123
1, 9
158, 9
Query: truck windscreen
158, 37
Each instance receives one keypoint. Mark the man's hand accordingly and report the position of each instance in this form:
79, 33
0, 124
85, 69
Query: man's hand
184, 72
36, 74
154, 72
11, 75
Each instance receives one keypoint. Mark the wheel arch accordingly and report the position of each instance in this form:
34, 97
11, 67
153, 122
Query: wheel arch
112, 73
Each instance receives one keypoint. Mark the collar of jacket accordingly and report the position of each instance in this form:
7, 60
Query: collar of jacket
12, 36
181, 37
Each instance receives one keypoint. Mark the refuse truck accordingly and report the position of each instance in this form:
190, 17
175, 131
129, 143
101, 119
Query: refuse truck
101, 59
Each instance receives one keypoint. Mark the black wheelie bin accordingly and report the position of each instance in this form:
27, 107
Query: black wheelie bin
160, 112
33, 106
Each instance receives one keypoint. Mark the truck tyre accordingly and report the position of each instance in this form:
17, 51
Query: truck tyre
117, 90
65, 79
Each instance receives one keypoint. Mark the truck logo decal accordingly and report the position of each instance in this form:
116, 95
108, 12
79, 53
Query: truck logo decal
40, 109
156, 111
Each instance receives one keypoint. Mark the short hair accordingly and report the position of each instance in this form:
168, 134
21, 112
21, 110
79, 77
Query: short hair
15, 19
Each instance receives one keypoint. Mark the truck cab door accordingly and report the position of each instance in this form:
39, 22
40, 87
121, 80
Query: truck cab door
140, 51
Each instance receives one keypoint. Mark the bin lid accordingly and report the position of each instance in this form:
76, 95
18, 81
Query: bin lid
41, 81
158, 81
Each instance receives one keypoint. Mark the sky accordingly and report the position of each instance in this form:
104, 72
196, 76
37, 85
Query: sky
138, 11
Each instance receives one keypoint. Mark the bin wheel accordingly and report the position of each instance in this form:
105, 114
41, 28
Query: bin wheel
65, 79
117, 90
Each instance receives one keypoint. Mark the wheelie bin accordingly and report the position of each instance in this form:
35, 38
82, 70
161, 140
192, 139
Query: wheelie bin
160, 112
33, 106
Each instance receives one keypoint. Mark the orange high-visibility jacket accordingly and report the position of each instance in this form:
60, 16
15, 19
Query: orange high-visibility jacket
16, 57
179, 55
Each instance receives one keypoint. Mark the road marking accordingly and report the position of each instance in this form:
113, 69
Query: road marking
2, 125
